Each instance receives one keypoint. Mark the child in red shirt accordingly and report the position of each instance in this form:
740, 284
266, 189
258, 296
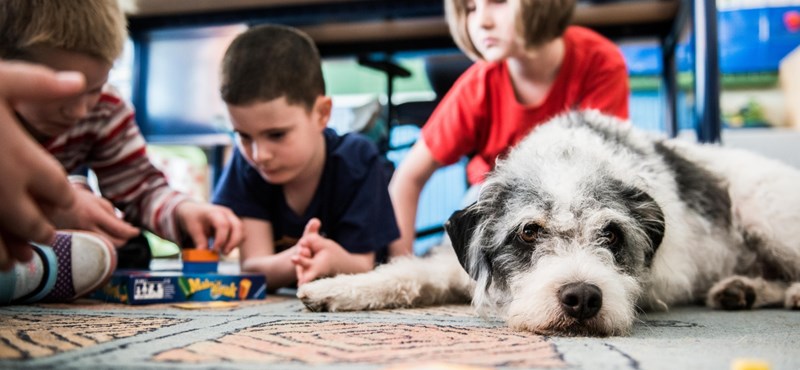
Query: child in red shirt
526, 72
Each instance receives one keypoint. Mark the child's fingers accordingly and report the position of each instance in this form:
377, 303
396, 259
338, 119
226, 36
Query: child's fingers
198, 235
27, 221
116, 228
309, 276
309, 239
19, 249
228, 229
302, 269
236, 233
316, 243
26, 81
302, 278
53, 189
304, 251
222, 233
312, 227
298, 273
300, 261
13, 249
299, 270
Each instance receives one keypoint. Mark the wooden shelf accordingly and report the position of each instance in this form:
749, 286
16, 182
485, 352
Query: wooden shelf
374, 21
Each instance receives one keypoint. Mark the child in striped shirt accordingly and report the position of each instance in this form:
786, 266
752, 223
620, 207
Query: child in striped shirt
96, 128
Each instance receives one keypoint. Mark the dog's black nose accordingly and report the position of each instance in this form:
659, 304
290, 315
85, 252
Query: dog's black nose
581, 300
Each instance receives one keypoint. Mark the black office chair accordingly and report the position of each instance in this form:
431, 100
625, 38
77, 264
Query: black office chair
392, 70
442, 71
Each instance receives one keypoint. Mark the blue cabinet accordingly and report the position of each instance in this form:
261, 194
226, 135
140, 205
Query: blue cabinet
755, 40
750, 40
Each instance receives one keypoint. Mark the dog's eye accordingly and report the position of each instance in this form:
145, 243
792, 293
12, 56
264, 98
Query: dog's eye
610, 235
530, 232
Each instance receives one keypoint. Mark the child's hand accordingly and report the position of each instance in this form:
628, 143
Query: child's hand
94, 213
34, 183
303, 252
202, 221
317, 256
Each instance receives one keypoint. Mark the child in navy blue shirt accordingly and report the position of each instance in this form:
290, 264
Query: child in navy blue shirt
312, 203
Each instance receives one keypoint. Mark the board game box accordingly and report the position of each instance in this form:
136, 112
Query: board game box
147, 287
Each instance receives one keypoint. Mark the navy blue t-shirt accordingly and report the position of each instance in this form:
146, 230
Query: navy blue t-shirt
351, 200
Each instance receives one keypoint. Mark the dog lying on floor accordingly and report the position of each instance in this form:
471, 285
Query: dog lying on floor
588, 221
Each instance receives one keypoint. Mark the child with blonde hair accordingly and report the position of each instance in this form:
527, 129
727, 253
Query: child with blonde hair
95, 128
530, 66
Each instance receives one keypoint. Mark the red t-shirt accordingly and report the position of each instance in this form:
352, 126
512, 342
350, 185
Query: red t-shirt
480, 114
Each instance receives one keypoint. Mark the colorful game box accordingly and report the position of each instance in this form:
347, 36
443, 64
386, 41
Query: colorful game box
147, 287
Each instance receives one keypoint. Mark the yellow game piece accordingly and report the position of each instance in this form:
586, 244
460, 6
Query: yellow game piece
205, 305
749, 364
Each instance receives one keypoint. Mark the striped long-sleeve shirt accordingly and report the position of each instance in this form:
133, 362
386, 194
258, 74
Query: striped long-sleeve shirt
109, 142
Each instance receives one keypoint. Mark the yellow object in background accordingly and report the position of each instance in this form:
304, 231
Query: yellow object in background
749, 364
437, 366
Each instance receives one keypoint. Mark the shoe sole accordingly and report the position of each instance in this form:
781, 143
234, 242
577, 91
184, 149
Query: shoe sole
109, 257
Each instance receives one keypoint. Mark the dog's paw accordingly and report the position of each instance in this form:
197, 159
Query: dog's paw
792, 301
734, 293
318, 296
341, 293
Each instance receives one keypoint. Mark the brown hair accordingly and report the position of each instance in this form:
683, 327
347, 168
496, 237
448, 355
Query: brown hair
268, 62
94, 27
538, 21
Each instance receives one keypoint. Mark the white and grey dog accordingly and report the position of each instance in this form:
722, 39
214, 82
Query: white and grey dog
587, 221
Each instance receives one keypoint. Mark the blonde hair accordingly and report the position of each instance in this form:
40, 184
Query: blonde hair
94, 27
537, 21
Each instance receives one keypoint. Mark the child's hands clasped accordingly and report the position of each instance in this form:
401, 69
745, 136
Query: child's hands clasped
317, 255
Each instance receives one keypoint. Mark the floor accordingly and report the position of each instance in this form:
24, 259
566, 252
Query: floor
278, 333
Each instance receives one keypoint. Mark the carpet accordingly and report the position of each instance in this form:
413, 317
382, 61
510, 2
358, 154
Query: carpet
279, 333
275, 333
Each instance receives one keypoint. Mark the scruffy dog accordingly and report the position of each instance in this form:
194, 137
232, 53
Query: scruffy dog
588, 221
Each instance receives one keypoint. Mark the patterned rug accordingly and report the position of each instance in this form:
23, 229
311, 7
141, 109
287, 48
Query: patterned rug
275, 333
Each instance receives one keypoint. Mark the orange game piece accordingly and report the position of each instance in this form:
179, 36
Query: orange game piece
199, 255
199, 260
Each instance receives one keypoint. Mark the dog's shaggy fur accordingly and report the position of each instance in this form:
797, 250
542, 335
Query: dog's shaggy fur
587, 221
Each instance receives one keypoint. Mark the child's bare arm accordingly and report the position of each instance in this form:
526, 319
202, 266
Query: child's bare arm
257, 254
277, 268
405, 188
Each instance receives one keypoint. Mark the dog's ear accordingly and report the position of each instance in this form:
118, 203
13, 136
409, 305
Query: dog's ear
460, 228
649, 214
